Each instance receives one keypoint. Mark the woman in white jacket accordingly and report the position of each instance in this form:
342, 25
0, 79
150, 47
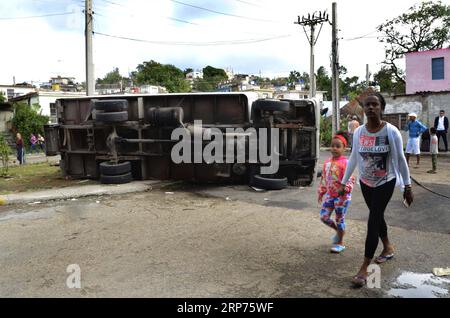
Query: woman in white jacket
378, 153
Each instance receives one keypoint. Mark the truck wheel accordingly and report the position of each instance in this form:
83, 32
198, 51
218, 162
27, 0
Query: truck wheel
115, 117
109, 168
268, 183
270, 105
118, 179
112, 105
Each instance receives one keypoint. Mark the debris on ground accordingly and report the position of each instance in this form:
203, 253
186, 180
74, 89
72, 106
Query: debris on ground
441, 271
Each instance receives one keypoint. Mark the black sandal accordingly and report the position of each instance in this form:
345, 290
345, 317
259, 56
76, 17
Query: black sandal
359, 281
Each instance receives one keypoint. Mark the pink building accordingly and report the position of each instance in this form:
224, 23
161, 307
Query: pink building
428, 71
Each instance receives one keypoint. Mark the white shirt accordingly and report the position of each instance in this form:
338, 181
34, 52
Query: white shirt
441, 123
398, 160
434, 145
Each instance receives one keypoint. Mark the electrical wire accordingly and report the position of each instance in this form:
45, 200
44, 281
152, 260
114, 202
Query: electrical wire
230, 42
428, 189
224, 13
249, 3
37, 16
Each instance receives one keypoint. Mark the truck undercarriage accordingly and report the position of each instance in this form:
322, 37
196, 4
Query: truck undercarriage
119, 138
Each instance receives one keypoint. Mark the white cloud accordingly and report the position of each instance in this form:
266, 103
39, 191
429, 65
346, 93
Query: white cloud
36, 49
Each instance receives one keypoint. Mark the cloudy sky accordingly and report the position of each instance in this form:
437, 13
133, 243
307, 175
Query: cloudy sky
250, 36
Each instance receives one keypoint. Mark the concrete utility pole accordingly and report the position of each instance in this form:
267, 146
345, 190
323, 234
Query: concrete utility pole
367, 76
90, 83
335, 72
312, 76
312, 21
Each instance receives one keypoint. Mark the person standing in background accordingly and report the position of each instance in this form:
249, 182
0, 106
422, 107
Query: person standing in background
20, 149
352, 125
41, 142
441, 126
433, 149
415, 129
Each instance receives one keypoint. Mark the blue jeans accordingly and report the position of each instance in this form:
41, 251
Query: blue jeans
21, 155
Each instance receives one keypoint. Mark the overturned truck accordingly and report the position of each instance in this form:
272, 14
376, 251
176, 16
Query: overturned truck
201, 137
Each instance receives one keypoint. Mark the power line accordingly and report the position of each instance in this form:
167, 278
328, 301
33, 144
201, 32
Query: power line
361, 36
203, 26
223, 13
114, 3
38, 16
230, 42
164, 17
249, 3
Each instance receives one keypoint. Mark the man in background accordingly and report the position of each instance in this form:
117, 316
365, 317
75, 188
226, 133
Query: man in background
415, 129
441, 126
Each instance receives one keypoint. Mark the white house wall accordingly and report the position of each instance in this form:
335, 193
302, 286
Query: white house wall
18, 91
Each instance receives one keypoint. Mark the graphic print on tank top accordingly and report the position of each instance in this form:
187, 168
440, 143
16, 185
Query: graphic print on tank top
374, 150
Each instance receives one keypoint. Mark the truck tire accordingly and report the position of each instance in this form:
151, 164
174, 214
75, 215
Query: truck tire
270, 105
109, 168
268, 183
115, 117
118, 179
112, 105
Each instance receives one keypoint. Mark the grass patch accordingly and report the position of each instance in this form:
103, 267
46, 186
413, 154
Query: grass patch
35, 177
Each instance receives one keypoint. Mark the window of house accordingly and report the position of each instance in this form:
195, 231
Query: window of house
53, 113
53, 109
10, 93
437, 68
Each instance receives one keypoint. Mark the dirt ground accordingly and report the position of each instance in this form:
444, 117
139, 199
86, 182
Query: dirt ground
222, 241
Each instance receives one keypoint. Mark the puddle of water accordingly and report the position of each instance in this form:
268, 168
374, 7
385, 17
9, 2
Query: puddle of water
414, 285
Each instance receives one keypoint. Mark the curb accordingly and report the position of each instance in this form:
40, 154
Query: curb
76, 192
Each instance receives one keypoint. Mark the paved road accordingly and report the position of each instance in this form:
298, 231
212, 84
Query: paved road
429, 213
186, 241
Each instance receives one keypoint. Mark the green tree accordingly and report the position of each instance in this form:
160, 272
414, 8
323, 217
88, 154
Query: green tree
323, 81
112, 77
212, 77
28, 120
351, 87
210, 72
423, 27
5, 151
325, 131
280, 81
388, 82
2, 97
202, 85
167, 75
295, 77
